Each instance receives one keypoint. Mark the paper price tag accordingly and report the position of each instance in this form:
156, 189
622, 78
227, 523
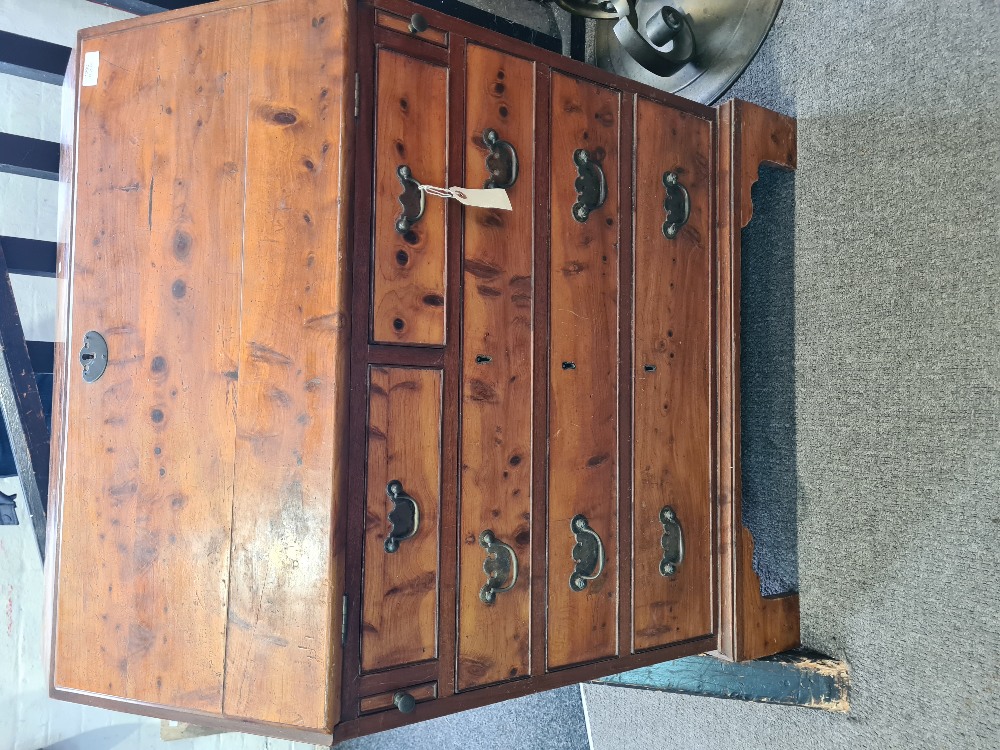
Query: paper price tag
492, 198
91, 64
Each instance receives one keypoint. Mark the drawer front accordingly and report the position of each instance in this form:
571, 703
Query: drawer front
399, 614
403, 26
672, 418
583, 368
395, 699
497, 370
411, 115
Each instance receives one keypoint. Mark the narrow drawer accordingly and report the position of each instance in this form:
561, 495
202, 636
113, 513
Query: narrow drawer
671, 387
497, 370
408, 288
405, 26
399, 612
398, 699
583, 376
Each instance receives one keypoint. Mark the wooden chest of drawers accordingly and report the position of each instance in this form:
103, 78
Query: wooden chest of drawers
333, 453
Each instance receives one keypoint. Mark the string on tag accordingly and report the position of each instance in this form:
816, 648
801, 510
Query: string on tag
480, 198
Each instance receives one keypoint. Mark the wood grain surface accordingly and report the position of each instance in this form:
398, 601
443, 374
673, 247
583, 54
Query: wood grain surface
411, 116
672, 383
283, 651
399, 614
144, 556
583, 369
493, 641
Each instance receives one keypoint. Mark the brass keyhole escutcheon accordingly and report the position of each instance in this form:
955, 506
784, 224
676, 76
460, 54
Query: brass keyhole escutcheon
93, 356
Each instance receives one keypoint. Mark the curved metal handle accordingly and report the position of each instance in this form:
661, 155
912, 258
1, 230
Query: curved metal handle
677, 204
668, 44
500, 566
412, 200
588, 553
501, 161
591, 187
672, 542
404, 516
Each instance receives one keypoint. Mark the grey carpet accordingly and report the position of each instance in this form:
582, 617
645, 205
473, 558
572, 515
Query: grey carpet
767, 382
888, 419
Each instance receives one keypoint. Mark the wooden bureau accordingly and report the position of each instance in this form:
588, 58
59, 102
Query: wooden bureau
333, 454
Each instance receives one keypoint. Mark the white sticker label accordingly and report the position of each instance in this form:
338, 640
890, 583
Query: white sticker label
91, 63
492, 198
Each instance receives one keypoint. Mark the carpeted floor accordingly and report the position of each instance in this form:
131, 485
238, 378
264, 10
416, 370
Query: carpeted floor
879, 405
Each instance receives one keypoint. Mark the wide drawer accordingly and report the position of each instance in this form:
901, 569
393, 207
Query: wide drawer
497, 381
671, 515
583, 372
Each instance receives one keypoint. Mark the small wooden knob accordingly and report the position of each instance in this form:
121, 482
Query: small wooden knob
404, 702
418, 24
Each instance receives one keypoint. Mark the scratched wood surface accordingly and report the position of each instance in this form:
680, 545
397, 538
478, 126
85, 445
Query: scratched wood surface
411, 116
149, 487
399, 613
283, 650
583, 368
496, 394
671, 377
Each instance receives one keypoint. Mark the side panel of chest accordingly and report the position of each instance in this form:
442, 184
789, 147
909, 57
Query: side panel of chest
206, 464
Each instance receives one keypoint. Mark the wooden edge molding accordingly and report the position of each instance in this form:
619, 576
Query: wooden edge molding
751, 625
795, 678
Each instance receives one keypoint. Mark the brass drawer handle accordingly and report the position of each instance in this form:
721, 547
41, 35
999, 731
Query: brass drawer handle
672, 542
412, 200
499, 566
588, 553
677, 204
501, 161
404, 516
591, 187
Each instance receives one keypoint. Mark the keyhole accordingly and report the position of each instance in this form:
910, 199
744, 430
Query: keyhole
87, 356
482, 359
569, 365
